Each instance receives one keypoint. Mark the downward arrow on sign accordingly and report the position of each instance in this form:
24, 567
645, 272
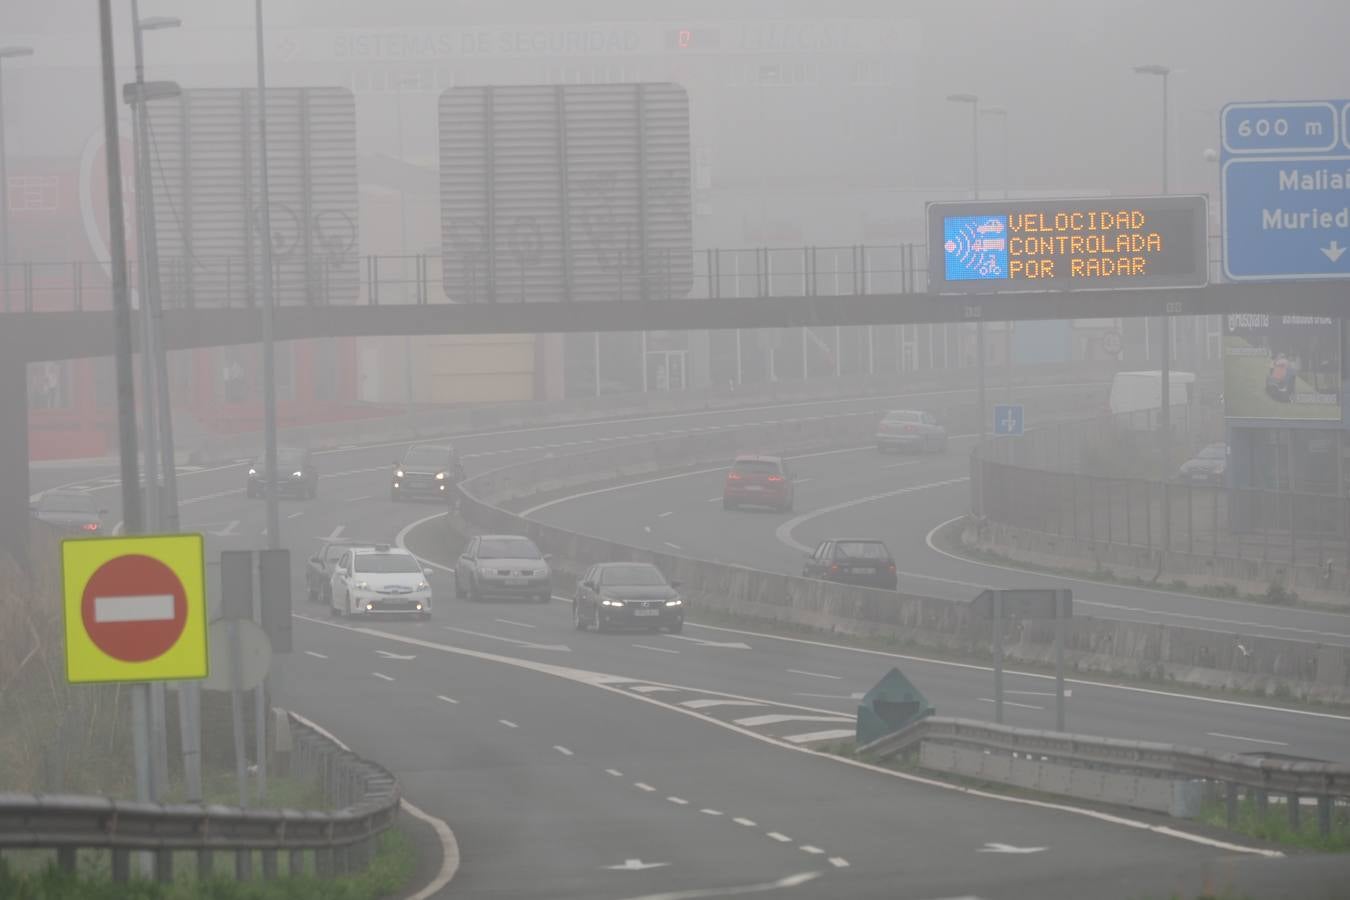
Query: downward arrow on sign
1333, 251
1009, 848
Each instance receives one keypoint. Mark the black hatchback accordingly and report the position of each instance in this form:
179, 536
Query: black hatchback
865, 563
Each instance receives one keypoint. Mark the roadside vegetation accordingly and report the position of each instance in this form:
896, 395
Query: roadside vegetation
388, 874
1273, 825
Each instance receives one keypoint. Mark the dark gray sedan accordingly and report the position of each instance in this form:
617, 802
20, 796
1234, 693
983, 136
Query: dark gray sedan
627, 595
70, 511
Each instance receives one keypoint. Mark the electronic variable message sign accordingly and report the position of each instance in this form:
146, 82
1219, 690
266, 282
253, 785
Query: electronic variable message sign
1067, 245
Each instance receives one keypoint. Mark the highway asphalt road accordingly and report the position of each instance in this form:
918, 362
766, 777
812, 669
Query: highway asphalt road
511, 726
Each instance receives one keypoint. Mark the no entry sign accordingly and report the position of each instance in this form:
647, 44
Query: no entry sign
135, 608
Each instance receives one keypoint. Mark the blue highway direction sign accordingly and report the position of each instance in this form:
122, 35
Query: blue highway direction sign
1008, 420
1286, 190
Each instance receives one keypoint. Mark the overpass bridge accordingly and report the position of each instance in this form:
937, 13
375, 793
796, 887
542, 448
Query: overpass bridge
60, 311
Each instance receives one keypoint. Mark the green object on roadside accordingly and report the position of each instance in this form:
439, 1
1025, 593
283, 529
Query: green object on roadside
889, 706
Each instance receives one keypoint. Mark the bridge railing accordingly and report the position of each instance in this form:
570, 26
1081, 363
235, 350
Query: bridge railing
233, 281
1042, 759
364, 795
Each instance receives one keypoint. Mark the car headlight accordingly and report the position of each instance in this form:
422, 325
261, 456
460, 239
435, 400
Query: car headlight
422, 586
253, 471
605, 601
398, 473
297, 474
675, 602
440, 476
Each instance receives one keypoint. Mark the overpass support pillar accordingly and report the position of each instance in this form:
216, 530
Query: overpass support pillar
14, 457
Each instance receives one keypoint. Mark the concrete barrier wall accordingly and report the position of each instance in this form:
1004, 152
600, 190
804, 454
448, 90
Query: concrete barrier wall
1165, 653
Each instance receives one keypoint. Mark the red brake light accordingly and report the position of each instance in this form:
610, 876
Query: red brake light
892, 568
834, 567
774, 478
733, 476
910, 428
90, 526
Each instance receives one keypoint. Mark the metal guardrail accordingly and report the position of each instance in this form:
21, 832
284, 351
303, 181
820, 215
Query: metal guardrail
1256, 776
341, 841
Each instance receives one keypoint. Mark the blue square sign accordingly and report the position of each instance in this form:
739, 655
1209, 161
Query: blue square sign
1008, 420
1286, 190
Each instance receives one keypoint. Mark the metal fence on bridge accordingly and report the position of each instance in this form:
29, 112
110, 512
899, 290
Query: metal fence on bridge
66, 286
1104, 482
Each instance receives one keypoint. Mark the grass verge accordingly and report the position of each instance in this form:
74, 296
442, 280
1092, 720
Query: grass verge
388, 873
1273, 826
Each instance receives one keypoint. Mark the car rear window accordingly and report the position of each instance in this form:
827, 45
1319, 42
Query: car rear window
66, 503
756, 467
861, 550
386, 563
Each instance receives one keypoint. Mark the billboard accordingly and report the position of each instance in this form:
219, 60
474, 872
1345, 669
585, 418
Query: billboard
566, 192
1282, 367
205, 170
1064, 245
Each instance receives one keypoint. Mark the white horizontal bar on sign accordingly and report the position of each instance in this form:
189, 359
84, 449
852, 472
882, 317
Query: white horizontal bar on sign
136, 608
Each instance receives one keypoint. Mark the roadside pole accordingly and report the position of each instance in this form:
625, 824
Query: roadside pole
126, 388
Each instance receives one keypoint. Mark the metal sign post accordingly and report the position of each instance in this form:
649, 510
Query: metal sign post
236, 603
997, 605
998, 657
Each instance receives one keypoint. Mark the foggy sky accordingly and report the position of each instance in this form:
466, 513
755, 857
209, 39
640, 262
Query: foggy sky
1078, 116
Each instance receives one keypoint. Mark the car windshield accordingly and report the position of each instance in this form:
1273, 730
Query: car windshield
66, 503
508, 548
861, 550
386, 563
290, 457
425, 456
756, 467
901, 415
1216, 451
632, 576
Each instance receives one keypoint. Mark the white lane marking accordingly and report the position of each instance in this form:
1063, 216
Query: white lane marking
816, 674
399, 540
652, 688
1068, 692
1120, 607
856, 695
978, 668
134, 608
840, 863
529, 645
315, 654
713, 500
675, 547
606, 682
1011, 703
382, 675
643, 786
508, 723
779, 837
730, 645
449, 846
514, 622
901, 465
635, 865
117, 529
791, 881
451, 700
1009, 848
707, 703
563, 750
615, 772
231, 528
711, 812
403, 657
657, 649
807, 848
784, 532
678, 801
666, 514
358, 498
526, 513
336, 533
811, 737
647, 529
1238, 737
779, 718
748, 823
295, 515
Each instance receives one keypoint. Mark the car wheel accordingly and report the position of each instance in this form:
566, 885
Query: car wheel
545, 597
474, 596
459, 589
577, 622
677, 627
311, 595
596, 623
425, 616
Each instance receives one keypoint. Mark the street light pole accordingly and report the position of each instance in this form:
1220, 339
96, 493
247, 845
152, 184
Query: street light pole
974, 102
1002, 114
269, 300
6, 53
1165, 368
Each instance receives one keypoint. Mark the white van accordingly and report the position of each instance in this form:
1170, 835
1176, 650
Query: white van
1138, 391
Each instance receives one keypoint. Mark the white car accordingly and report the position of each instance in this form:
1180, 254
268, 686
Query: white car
380, 580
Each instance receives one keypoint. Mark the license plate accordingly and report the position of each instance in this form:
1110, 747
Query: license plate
865, 571
646, 612
515, 582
